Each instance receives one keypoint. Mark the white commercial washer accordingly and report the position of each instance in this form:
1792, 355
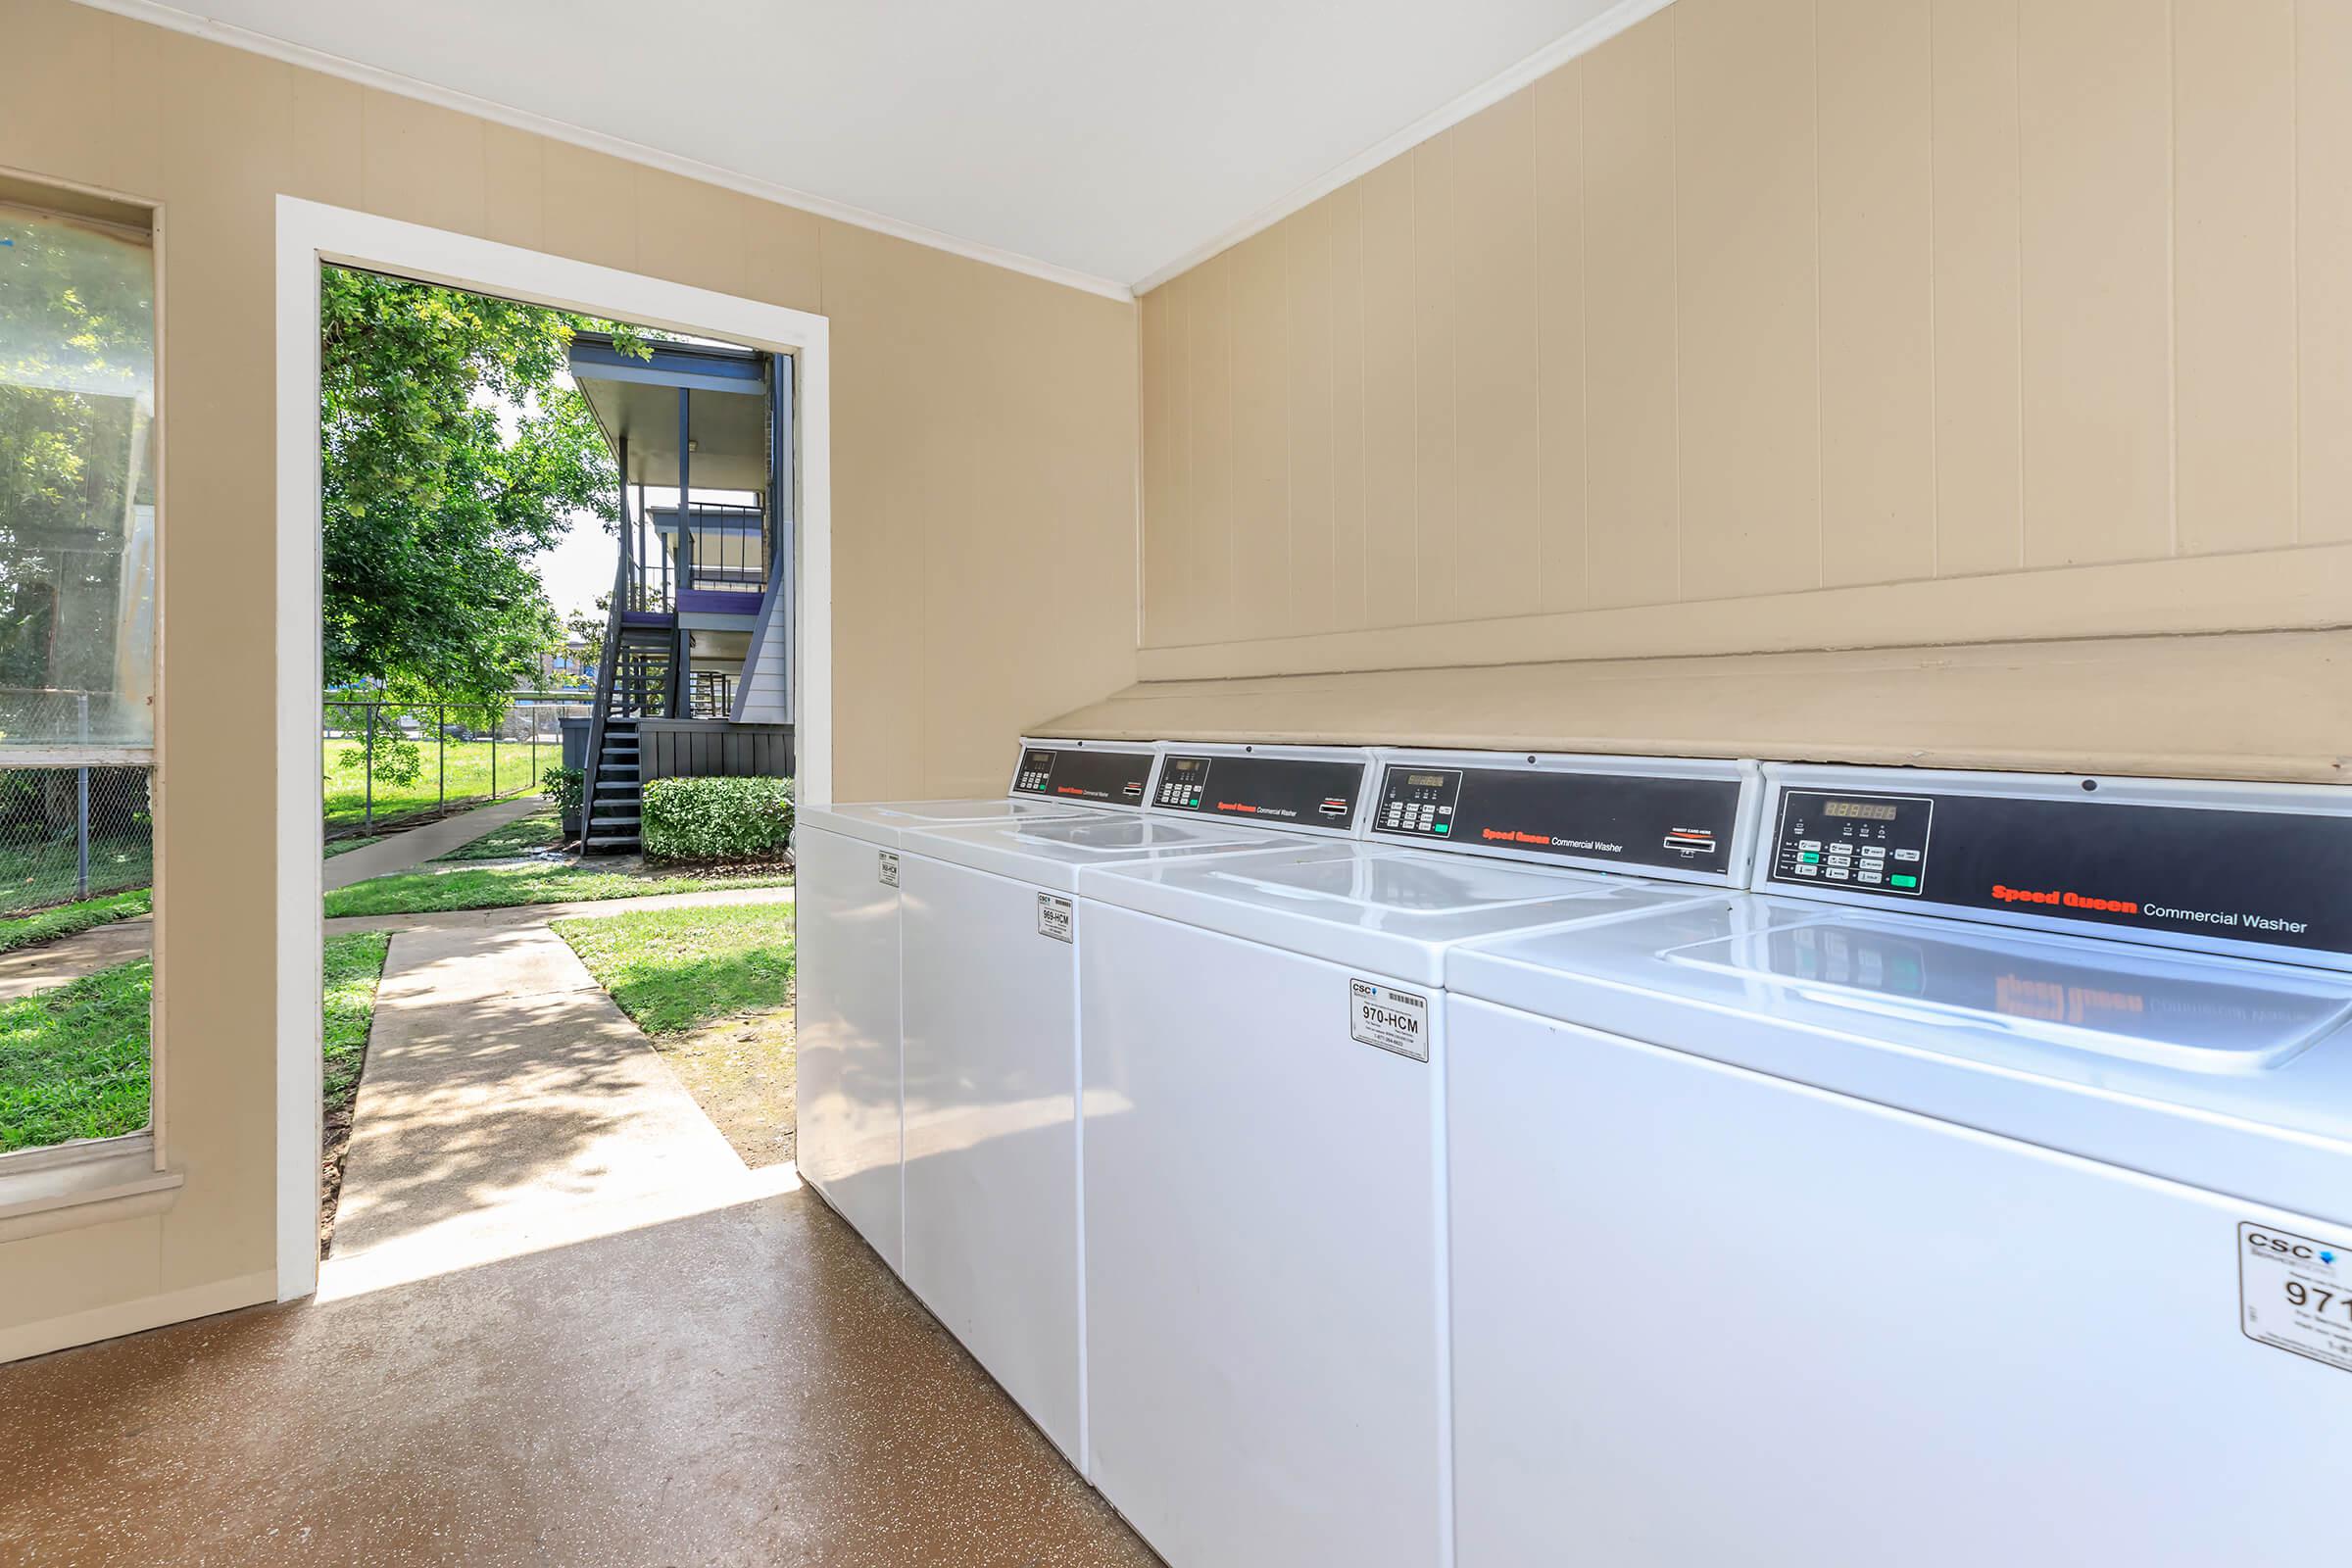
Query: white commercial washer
1263, 1044
990, 935
1983, 1194
845, 865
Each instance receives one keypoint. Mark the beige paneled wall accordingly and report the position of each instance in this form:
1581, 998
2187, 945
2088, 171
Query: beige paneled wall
983, 448
1786, 324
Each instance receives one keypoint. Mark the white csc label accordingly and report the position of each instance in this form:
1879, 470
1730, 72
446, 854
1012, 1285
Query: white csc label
1054, 917
889, 870
1390, 1019
2295, 1293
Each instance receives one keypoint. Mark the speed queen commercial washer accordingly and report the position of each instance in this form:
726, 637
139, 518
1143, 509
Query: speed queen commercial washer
990, 934
845, 867
1264, 1144
1983, 1194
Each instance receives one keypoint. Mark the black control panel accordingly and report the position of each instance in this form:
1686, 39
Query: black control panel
1278, 791
1083, 773
2280, 878
1878, 842
1636, 819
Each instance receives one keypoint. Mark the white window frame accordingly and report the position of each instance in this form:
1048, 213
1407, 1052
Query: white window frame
311, 234
98, 1180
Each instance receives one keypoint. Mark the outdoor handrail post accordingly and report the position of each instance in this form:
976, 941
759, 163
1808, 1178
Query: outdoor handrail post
494, 723
367, 773
441, 756
82, 812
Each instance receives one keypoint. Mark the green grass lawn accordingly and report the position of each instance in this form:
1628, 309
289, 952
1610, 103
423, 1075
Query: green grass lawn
712, 990
357, 840
541, 830
43, 869
674, 969
467, 764
69, 920
507, 886
355, 962
74, 1061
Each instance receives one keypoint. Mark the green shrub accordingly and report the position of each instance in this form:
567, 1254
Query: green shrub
716, 818
564, 786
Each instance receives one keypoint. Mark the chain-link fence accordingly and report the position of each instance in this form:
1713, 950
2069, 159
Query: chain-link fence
69, 833
390, 764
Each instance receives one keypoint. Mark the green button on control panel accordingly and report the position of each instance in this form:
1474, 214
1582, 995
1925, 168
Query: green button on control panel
1904, 881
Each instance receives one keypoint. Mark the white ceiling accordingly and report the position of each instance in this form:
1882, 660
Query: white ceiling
1102, 137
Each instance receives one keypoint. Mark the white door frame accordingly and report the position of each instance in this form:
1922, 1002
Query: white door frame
308, 235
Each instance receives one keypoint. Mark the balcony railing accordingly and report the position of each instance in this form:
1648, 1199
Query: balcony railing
717, 563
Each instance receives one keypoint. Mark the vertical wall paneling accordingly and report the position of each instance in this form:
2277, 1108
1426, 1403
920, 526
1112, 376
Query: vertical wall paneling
1182, 587
1747, 278
1158, 544
1972, 93
1436, 524
1767, 297
1392, 350
2233, 102
1313, 569
2094, 110
1262, 435
2324, 267
1211, 338
1559, 337
1498, 568
1878, 349
1632, 524
1348, 546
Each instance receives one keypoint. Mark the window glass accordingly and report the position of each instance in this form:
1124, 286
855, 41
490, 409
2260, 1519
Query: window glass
77, 483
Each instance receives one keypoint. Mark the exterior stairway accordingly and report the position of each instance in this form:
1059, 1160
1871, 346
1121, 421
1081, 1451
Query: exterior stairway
640, 686
615, 801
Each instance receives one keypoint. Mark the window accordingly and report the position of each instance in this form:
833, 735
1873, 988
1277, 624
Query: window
78, 529
76, 483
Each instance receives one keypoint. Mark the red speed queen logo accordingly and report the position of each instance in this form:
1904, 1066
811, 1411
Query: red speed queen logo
2063, 898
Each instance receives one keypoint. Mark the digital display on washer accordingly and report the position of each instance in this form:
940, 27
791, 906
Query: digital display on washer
1083, 773
1311, 790
1637, 819
2280, 878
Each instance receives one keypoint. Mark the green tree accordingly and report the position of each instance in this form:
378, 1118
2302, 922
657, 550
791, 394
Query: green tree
77, 391
455, 449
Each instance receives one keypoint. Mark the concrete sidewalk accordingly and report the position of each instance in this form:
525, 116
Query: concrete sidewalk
410, 848
509, 1106
67, 959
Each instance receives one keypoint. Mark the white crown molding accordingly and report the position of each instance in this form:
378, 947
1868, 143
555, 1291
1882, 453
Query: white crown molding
1554, 54
294, 54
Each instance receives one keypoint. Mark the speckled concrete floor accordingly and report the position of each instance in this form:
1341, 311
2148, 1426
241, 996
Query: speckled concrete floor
747, 1386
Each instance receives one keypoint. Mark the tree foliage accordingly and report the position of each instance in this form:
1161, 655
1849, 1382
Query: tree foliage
76, 392
455, 449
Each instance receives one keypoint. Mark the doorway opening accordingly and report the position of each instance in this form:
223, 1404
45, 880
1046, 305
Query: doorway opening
475, 414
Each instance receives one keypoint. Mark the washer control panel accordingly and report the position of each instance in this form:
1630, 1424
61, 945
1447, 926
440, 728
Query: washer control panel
2261, 869
1104, 777
1676, 818
1876, 843
1419, 801
1318, 792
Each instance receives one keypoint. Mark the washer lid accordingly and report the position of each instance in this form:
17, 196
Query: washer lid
884, 821
1052, 852
1392, 912
2230, 1073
